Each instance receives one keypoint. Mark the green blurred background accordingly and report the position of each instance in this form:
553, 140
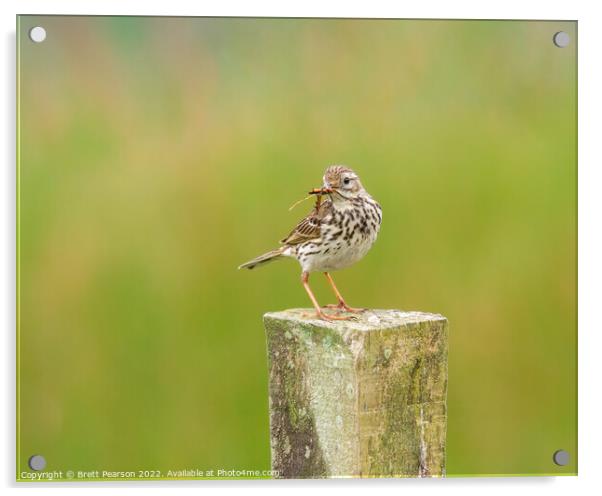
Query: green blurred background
157, 154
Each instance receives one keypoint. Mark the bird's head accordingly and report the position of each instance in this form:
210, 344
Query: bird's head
342, 183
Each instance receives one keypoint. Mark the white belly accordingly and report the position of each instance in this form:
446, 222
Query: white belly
333, 257
346, 237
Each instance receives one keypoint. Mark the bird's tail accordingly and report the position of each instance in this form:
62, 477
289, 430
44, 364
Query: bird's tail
270, 256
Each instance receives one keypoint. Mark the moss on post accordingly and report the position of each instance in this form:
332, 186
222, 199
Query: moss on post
364, 398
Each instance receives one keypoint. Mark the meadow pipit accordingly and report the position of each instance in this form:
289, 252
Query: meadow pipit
337, 233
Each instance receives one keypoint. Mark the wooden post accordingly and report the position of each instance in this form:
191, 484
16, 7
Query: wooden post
363, 398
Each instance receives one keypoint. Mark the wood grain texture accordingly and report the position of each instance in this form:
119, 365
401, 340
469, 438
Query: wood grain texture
363, 398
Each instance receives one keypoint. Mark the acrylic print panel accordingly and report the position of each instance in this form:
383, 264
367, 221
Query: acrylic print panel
156, 155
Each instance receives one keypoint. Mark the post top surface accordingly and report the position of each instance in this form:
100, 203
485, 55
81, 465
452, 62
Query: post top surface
371, 319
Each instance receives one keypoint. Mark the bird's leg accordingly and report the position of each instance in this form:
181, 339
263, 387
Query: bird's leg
341, 305
319, 313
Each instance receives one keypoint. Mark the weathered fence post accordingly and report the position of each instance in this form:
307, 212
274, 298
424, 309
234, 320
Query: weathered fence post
363, 398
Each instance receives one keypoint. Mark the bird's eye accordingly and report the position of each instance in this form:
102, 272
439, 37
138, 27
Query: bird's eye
346, 180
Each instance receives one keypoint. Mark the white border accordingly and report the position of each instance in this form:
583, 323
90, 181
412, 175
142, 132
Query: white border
590, 246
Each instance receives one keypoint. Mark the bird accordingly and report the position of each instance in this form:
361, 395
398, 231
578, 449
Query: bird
336, 234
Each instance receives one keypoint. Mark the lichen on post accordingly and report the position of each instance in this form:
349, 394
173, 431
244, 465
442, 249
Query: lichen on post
362, 398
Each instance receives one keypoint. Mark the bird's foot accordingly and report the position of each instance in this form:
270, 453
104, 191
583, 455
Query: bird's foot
324, 316
343, 307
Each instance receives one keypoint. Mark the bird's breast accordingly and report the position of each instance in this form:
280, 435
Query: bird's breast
347, 235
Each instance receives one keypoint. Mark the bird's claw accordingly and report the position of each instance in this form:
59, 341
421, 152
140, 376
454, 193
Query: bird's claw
324, 316
345, 308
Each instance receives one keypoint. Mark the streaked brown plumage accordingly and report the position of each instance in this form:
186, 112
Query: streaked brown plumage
337, 233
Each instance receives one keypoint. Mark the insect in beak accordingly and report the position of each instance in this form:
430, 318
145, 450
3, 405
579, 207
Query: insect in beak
321, 191
316, 191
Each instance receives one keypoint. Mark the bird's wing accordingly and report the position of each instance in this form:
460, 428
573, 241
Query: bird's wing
310, 227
